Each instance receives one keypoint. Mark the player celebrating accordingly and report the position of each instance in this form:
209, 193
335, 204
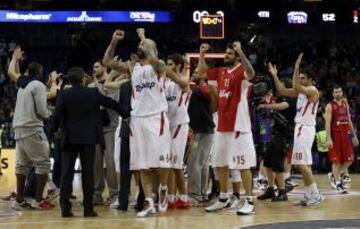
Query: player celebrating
178, 96
234, 146
304, 135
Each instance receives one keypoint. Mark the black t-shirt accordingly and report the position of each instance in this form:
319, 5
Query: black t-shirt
284, 120
201, 119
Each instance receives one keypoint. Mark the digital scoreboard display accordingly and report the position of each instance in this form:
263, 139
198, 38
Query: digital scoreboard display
212, 27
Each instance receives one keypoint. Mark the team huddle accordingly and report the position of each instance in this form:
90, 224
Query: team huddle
161, 118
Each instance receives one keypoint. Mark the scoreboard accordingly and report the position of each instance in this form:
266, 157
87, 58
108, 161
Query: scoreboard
212, 27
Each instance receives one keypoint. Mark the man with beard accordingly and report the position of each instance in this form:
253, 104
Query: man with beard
149, 125
177, 96
338, 125
234, 145
110, 122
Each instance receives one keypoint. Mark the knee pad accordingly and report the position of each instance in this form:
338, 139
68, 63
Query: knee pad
235, 175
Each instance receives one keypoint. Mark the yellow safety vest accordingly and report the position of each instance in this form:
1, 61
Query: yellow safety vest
321, 141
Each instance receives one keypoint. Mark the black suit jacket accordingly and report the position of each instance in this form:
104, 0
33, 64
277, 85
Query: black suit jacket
125, 105
78, 115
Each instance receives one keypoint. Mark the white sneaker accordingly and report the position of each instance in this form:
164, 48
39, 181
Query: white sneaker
20, 206
163, 200
332, 180
216, 206
301, 202
114, 205
261, 184
340, 189
147, 211
235, 204
345, 178
247, 208
314, 200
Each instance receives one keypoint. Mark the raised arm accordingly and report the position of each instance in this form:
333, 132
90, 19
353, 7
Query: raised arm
112, 82
202, 67
280, 88
249, 70
310, 91
53, 86
108, 59
181, 81
149, 47
14, 69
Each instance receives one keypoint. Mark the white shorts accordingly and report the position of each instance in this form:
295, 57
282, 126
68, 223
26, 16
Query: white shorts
149, 142
237, 151
179, 135
303, 140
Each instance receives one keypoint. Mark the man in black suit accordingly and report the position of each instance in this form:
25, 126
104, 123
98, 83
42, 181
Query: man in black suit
77, 113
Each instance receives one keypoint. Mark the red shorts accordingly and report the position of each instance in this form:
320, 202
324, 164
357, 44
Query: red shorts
289, 154
342, 150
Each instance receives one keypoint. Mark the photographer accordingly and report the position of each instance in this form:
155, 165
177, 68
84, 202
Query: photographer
282, 113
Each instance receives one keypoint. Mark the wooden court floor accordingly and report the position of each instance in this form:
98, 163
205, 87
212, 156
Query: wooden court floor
334, 207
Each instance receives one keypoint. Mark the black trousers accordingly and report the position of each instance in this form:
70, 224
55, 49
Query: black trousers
275, 154
125, 178
125, 174
87, 157
56, 172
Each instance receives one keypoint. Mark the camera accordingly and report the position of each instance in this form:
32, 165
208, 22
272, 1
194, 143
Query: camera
261, 86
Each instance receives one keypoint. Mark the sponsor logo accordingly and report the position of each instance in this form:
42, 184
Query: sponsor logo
29, 16
84, 18
143, 86
224, 94
142, 16
4, 163
297, 17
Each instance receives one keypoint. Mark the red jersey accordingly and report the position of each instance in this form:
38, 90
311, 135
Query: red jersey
229, 87
339, 118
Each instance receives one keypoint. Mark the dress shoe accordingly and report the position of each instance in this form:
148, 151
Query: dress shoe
67, 214
90, 214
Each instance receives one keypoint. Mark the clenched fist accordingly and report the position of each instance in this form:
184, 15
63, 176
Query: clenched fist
204, 47
118, 35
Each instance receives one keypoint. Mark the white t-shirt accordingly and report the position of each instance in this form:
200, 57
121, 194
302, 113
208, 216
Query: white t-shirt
305, 111
148, 95
178, 103
243, 120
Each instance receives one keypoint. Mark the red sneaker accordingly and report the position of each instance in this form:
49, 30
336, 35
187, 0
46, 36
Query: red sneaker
43, 205
182, 205
12, 196
172, 204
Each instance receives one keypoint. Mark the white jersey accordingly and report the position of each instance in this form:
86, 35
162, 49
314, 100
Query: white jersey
148, 96
305, 111
243, 120
178, 103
